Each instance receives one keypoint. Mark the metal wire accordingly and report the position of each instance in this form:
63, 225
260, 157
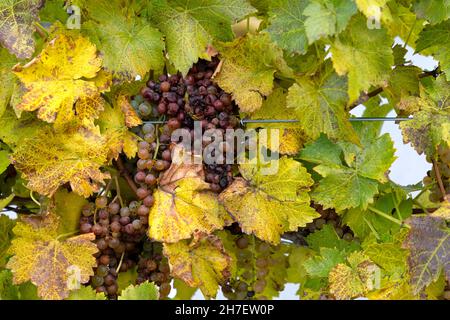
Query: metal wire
355, 119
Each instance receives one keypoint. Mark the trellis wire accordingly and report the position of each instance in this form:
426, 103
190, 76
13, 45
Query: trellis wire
243, 122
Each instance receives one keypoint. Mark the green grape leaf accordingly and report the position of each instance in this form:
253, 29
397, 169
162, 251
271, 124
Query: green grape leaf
54, 10
7, 78
402, 84
328, 238
68, 206
6, 235
249, 65
366, 222
125, 279
17, 26
269, 205
352, 184
321, 265
297, 271
319, 104
287, 25
144, 291
401, 22
432, 40
86, 293
434, 11
367, 63
327, 17
4, 160
190, 26
429, 244
184, 292
129, 44
8, 291
389, 256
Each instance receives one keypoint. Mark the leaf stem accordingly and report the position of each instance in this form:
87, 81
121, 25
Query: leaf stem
439, 178
124, 173
118, 191
372, 229
120, 262
410, 33
34, 200
387, 216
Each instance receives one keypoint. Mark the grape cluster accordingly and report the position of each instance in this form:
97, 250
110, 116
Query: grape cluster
180, 101
119, 232
327, 216
154, 267
255, 260
443, 164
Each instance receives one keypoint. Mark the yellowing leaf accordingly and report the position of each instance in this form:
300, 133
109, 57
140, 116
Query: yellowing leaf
274, 107
367, 63
144, 291
130, 46
319, 104
189, 26
86, 293
17, 26
49, 160
184, 205
248, 69
269, 205
203, 264
45, 260
113, 125
59, 76
353, 280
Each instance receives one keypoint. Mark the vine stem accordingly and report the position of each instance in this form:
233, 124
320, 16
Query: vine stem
120, 262
439, 178
366, 96
386, 216
124, 173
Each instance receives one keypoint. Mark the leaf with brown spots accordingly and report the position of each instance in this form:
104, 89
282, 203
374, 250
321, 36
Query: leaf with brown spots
203, 263
48, 261
17, 18
184, 205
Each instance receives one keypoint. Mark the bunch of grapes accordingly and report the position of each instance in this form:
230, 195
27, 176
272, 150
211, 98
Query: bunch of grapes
180, 101
119, 232
154, 267
443, 164
328, 216
255, 260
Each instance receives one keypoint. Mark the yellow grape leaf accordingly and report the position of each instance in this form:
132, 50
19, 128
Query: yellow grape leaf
249, 65
47, 261
353, 280
291, 136
203, 263
269, 205
64, 72
86, 293
393, 289
49, 160
183, 207
131, 117
113, 125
